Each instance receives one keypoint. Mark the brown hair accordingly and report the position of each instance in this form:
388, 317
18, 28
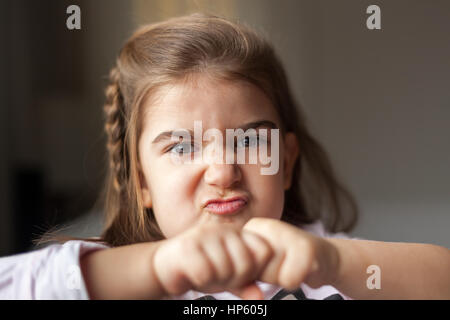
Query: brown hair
173, 50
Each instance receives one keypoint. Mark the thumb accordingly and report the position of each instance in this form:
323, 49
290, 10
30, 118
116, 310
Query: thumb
249, 292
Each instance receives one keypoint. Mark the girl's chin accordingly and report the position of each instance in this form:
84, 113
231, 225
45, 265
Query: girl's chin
237, 220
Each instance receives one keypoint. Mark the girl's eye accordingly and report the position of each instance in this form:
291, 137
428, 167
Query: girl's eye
182, 148
250, 141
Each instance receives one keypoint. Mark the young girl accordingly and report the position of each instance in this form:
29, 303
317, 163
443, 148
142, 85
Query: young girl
213, 229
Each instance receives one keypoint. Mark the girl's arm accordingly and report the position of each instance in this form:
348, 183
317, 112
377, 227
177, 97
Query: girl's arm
407, 270
122, 273
208, 258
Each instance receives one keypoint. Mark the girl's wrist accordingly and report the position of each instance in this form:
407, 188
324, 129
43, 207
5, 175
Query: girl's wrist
158, 289
326, 267
333, 271
152, 287
336, 264
124, 272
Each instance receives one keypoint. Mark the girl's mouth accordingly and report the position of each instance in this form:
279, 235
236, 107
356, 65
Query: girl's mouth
226, 207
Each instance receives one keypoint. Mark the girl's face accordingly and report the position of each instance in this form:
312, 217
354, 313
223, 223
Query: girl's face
178, 192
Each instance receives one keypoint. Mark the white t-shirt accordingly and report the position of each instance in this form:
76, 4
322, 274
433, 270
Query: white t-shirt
54, 273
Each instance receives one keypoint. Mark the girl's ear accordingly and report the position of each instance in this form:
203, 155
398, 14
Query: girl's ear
145, 191
291, 151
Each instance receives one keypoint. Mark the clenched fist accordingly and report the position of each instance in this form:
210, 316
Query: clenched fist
298, 256
212, 258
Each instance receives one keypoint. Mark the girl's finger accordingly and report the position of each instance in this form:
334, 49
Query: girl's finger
216, 251
198, 268
260, 248
241, 258
249, 292
271, 272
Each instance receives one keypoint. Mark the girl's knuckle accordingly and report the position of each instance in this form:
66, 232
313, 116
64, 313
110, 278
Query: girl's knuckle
226, 270
266, 253
290, 280
202, 275
188, 247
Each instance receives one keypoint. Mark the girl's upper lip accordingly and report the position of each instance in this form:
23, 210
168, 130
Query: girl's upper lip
243, 198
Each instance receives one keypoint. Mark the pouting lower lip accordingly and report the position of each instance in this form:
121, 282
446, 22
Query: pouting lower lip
227, 207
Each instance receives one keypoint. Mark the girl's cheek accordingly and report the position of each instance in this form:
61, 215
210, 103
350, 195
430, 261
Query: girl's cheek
175, 206
178, 183
267, 192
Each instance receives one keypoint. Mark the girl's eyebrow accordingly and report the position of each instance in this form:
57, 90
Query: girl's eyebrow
166, 135
257, 124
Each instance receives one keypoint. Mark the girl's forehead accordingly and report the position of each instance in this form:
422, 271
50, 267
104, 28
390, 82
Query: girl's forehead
217, 103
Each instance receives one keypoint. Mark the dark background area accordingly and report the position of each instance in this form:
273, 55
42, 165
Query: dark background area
52, 139
378, 100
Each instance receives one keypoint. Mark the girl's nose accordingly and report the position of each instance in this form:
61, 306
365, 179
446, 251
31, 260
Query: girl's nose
222, 175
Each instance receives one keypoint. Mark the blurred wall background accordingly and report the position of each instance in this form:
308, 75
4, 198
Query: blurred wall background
378, 100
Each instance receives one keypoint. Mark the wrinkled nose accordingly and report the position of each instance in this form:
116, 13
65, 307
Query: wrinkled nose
222, 175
